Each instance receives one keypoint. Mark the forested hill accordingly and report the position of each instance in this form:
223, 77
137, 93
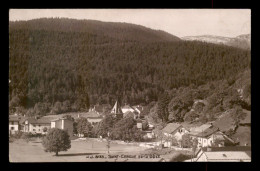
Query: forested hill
118, 31
65, 64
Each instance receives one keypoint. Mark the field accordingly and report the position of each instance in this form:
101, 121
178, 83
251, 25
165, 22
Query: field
21, 151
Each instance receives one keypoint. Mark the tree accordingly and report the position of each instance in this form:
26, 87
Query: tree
174, 141
186, 141
237, 114
105, 126
126, 130
56, 140
69, 117
57, 107
66, 106
162, 109
45, 129
145, 125
194, 145
181, 103
84, 127
41, 108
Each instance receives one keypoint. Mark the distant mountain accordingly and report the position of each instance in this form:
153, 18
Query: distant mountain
241, 41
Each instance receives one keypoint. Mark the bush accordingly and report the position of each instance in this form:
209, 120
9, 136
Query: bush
16, 135
180, 157
26, 136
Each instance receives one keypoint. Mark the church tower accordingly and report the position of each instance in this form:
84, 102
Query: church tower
116, 110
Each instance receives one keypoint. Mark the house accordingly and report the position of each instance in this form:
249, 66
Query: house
94, 120
36, 125
209, 135
138, 108
139, 124
64, 124
148, 134
14, 125
127, 108
116, 110
174, 130
134, 114
226, 154
101, 109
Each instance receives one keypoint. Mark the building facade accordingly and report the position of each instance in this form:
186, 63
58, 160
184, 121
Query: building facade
14, 125
64, 124
36, 125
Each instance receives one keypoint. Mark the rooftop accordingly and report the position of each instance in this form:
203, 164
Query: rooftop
228, 148
40, 120
94, 117
127, 107
74, 115
62, 118
228, 155
204, 130
200, 128
171, 127
14, 118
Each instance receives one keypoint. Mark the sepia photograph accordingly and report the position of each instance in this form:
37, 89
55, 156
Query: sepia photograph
129, 85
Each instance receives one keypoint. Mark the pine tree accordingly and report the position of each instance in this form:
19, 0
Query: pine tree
162, 109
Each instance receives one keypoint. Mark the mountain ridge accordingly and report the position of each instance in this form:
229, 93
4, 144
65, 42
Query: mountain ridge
241, 41
117, 30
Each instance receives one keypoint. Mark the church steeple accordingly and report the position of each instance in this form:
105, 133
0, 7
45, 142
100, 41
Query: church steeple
117, 110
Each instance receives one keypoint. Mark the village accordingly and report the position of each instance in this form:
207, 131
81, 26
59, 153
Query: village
205, 142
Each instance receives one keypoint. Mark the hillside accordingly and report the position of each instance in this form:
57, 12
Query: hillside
241, 41
117, 31
65, 65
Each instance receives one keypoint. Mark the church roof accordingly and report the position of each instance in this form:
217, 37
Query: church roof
116, 109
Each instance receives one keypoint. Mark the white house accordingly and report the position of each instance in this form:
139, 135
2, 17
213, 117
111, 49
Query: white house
208, 134
64, 124
174, 130
13, 124
36, 125
94, 120
138, 108
127, 108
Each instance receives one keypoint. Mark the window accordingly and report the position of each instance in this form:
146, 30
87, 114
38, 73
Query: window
12, 128
39, 125
33, 129
39, 129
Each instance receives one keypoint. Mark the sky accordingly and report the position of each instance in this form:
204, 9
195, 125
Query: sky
179, 22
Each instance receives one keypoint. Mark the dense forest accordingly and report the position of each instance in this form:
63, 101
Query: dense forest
61, 65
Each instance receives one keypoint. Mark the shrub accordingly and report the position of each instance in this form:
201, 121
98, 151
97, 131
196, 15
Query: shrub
26, 136
180, 157
16, 135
